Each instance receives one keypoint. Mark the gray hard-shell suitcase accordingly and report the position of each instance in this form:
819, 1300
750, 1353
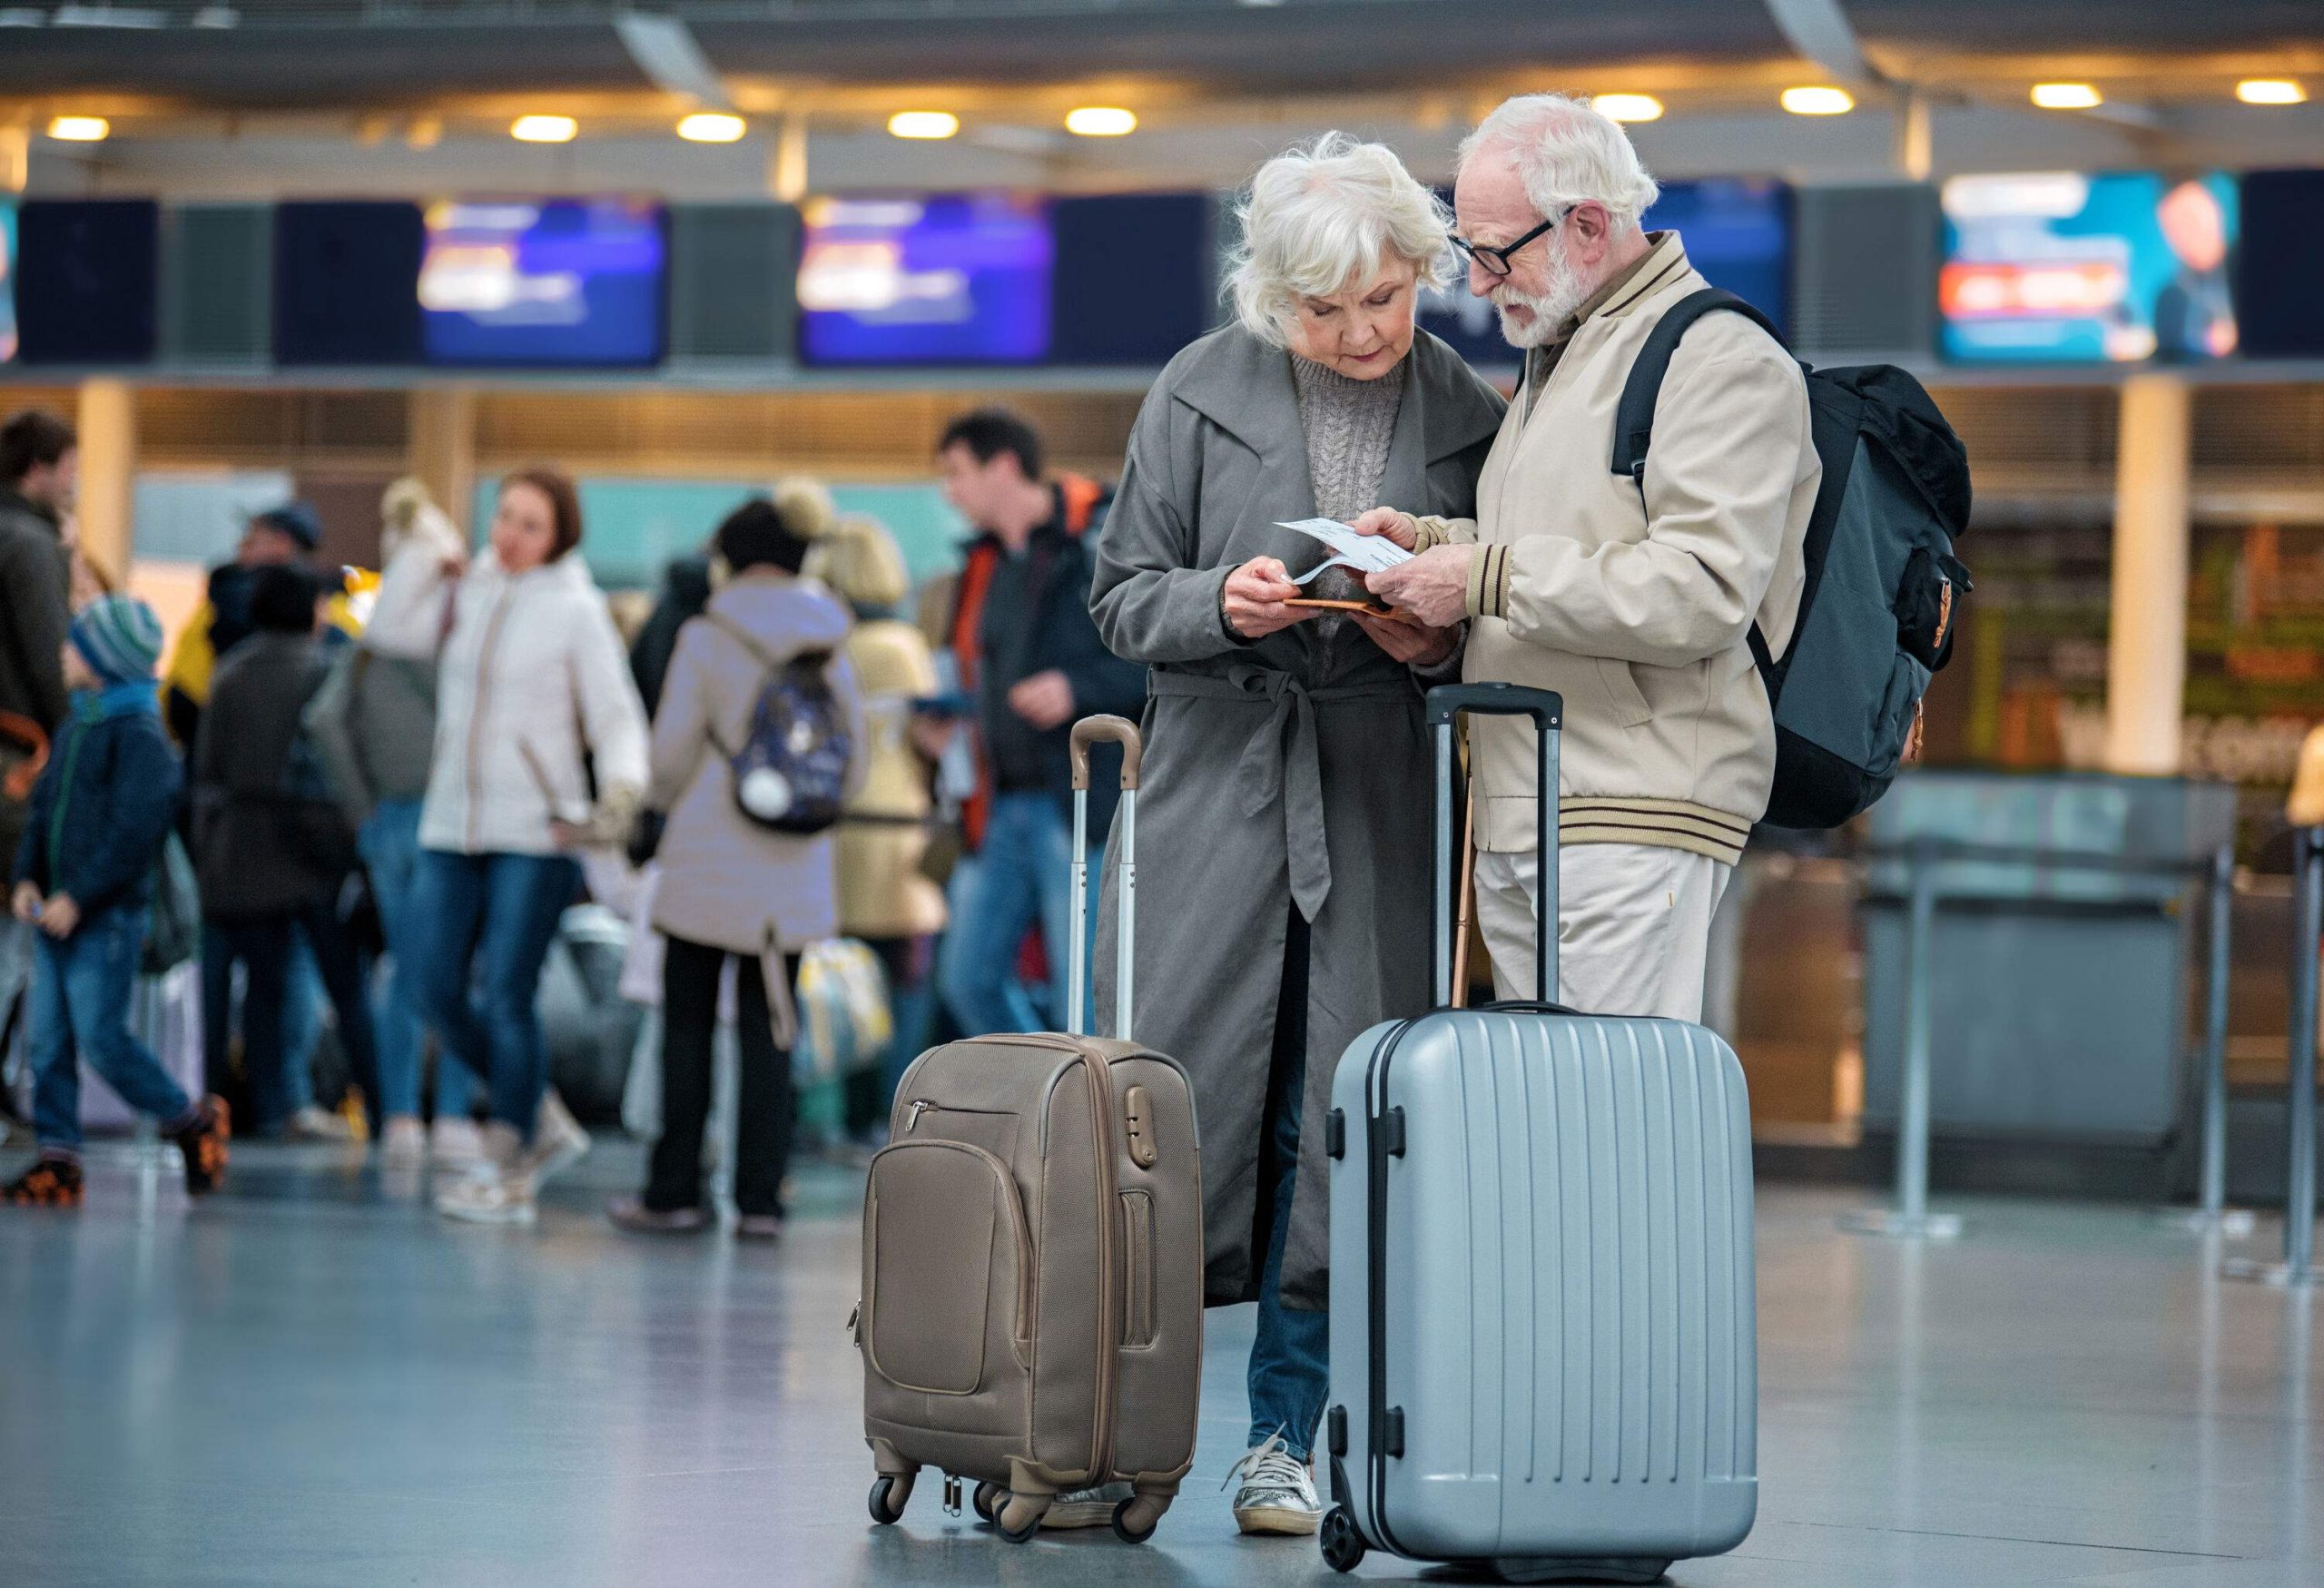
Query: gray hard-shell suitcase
1031, 1310
1544, 1352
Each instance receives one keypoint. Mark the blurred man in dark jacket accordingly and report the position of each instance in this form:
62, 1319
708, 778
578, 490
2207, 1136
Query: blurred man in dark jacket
39, 464
1040, 667
272, 845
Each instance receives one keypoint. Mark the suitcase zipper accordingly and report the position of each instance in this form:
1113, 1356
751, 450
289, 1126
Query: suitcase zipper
1101, 1114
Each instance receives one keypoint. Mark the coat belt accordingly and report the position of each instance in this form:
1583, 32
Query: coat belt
1283, 760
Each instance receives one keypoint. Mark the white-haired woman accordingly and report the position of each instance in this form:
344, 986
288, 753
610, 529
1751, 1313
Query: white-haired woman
1287, 789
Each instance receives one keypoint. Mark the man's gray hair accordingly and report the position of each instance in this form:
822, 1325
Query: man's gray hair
1322, 214
1566, 153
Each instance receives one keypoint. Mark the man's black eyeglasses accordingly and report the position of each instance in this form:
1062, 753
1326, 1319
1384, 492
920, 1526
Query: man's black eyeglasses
1496, 260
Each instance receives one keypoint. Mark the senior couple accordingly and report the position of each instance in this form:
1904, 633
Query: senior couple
1287, 783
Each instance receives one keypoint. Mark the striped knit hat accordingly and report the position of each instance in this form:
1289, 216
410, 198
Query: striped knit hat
119, 637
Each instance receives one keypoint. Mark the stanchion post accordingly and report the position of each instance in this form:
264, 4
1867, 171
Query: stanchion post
2299, 1103
2211, 1212
1911, 1218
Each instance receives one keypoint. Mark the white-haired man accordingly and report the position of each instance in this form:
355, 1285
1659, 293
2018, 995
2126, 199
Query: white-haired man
1633, 599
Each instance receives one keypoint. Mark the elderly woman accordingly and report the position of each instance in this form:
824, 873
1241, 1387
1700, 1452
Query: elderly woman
1287, 781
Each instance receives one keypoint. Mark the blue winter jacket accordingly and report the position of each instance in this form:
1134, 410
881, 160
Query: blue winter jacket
104, 801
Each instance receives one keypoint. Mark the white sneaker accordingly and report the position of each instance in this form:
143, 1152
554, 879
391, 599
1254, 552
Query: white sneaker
489, 1194
403, 1143
1086, 1507
1278, 1492
455, 1141
558, 1140
315, 1124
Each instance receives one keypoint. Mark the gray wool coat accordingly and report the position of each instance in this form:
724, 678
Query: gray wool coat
1292, 773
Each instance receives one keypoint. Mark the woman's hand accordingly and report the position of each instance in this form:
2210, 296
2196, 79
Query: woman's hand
1390, 524
1413, 644
25, 903
1254, 595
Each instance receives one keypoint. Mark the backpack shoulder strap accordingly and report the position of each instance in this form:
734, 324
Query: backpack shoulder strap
1634, 419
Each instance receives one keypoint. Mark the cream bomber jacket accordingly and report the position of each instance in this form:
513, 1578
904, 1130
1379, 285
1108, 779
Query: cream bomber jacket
1634, 599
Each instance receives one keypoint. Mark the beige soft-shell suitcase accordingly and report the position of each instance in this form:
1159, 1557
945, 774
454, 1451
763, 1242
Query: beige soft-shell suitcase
1031, 1314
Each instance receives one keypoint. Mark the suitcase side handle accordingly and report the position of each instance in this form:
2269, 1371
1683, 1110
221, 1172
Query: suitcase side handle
1089, 731
1547, 708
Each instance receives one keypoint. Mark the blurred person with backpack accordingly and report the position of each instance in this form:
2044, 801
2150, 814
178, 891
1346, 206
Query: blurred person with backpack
373, 725
83, 880
885, 897
746, 853
272, 847
539, 751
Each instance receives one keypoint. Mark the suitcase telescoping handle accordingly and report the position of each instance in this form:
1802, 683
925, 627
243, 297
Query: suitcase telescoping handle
1445, 704
1089, 731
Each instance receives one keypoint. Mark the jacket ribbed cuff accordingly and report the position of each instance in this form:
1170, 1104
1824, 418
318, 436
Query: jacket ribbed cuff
1489, 582
1426, 533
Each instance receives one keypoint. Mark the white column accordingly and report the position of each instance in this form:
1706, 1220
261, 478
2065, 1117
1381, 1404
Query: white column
2146, 650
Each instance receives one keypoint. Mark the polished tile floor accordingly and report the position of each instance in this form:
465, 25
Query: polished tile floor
312, 1382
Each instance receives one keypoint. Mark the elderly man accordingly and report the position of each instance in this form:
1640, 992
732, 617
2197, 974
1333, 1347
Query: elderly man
1634, 598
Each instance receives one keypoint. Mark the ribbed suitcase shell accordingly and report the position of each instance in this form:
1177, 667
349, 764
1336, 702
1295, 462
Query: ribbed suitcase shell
1564, 1325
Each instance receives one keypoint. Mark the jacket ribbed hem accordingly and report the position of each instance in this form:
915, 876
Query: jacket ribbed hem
1658, 824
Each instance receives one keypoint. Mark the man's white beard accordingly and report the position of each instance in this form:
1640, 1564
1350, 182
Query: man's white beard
1568, 291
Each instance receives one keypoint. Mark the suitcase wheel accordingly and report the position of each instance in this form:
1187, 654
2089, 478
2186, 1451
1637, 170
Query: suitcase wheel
1343, 1544
1136, 1518
987, 1500
1018, 1518
888, 1496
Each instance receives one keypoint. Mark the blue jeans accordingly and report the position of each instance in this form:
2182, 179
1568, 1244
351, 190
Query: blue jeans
79, 1010
1023, 876
488, 920
1290, 1373
389, 842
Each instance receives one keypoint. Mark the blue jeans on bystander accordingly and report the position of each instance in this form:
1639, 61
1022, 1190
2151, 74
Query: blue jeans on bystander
489, 920
389, 842
1021, 877
80, 1011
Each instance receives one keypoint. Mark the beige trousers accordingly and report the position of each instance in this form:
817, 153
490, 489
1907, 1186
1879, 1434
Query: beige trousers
1633, 926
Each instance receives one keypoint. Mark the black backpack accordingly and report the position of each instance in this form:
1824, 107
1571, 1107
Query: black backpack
1882, 592
790, 768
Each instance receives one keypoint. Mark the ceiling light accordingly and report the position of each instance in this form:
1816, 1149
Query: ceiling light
545, 129
707, 126
1100, 121
2270, 91
1628, 107
2067, 96
80, 129
1818, 102
923, 123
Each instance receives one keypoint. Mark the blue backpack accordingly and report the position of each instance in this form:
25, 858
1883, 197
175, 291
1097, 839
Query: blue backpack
1883, 594
791, 769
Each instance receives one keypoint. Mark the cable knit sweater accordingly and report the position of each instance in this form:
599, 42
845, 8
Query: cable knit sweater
1348, 425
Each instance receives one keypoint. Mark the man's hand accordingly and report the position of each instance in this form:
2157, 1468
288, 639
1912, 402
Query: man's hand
1433, 587
1044, 700
1409, 642
59, 915
1386, 522
1255, 593
25, 903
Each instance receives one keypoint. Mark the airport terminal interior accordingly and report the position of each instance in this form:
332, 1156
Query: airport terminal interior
2030, 1039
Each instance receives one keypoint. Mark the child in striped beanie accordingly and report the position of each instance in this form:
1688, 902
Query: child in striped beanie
83, 877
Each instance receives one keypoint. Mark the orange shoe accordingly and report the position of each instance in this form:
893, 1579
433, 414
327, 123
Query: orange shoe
52, 1182
203, 1146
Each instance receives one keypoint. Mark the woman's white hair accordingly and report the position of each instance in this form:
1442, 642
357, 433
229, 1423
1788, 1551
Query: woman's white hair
1566, 153
1322, 214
